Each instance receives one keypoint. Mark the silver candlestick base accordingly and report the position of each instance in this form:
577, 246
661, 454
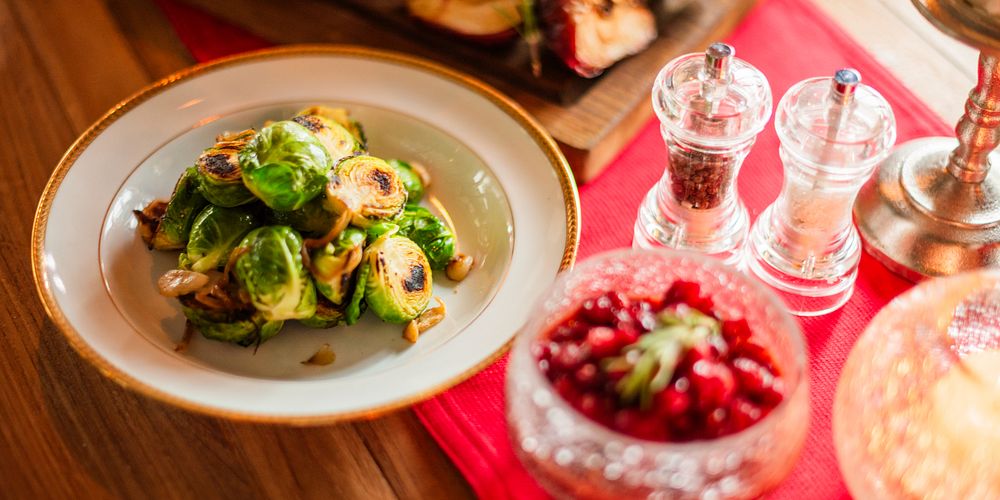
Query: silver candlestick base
919, 220
933, 208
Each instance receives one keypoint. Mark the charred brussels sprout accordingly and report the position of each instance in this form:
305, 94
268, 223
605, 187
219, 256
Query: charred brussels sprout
337, 140
271, 272
285, 166
327, 315
243, 327
169, 230
411, 180
398, 285
368, 188
429, 233
220, 171
341, 117
311, 220
333, 265
214, 235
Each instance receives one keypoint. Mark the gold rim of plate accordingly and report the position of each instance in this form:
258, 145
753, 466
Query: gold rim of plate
512, 109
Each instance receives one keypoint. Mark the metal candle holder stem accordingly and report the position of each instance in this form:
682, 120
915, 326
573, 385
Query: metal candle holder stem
933, 208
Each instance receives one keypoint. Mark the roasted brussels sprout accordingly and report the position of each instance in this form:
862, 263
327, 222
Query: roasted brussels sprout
272, 273
220, 171
285, 165
337, 140
214, 235
411, 180
310, 220
368, 188
333, 264
398, 285
165, 226
343, 118
429, 233
327, 315
243, 327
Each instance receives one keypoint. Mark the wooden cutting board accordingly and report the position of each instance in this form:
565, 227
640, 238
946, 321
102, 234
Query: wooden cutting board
592, 119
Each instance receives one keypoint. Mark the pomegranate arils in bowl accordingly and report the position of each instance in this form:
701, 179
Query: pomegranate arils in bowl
663, 370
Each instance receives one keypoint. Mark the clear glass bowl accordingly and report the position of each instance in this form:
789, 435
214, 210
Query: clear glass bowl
917, 411
573, 456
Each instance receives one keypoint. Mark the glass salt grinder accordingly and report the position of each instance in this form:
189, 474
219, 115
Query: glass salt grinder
833, 133
711, 107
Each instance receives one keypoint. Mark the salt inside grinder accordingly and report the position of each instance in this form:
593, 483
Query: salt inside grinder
711, 107
833, 133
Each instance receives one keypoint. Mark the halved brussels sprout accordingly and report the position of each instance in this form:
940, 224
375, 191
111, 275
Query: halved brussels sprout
411, 179
368, 188
429, 233
272, 273
310, 220
399, 284
214, 235
333, 264
327, 315
337, 140
243, 327
166, 226
343, 118
220, 170
285, 165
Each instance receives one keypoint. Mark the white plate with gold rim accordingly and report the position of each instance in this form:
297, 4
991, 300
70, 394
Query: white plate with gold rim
498, 176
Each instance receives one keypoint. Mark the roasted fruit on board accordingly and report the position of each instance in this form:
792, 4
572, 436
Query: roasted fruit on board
588, 35
297, 221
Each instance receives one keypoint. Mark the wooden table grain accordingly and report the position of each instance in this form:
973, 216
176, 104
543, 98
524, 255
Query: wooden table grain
65, 430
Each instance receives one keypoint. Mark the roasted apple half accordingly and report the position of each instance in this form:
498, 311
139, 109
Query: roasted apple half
591, 35
484, 21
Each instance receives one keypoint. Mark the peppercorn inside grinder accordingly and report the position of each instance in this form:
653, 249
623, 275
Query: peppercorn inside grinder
833, 133
711, 107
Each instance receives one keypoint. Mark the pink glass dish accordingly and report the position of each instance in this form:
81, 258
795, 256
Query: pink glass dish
575, 457
912, 417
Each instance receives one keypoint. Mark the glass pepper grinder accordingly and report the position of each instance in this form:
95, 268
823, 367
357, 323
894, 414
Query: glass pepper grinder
711, 107
833, 133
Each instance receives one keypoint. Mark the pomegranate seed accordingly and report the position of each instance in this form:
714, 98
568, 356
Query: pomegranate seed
649, 426
743, 414
736, 332
715, 422
758, 381
682, 292
695, 354
626, 420
756, 353
713, 384
603, 341
564, 386
569, 357
599, 310
672, 402
626, 336
587, 375
573, 329
619, 300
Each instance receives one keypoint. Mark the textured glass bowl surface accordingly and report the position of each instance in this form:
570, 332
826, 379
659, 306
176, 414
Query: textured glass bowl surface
899, 431
573, 456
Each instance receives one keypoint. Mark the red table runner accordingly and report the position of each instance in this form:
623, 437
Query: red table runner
788, 40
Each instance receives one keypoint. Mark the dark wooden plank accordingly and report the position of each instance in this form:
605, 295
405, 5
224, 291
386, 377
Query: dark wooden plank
591, 130
410, 459
150, 36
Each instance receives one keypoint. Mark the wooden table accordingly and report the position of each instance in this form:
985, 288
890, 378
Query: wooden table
66, 431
